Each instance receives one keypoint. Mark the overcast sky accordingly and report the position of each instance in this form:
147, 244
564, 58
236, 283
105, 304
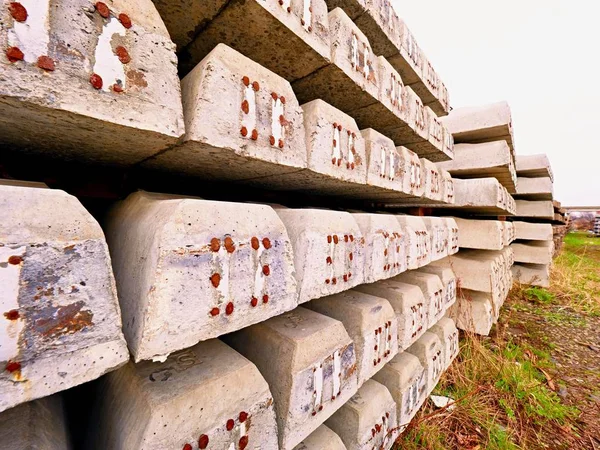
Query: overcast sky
542, 56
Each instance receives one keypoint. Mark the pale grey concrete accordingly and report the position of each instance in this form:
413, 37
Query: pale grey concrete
534, 166
454, 236
430, 353
419, 241
60, 324
322, 438
533, 252
440, 234
539, 209
481, 234
447, 333
448, 279
532, 274
541, 188
473, 312
433, 290
533, 231
227, 265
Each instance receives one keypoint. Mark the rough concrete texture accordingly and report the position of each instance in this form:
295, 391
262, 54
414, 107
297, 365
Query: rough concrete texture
368, 420
440, 234
322, 438
329, 251
234, 127
480, 234
473, 312
350, 81
533, 252
409, 305
266, 31
453, 236
414, 183
539, 209
541, 188
534, 166
433, 181
60, 323
510, 233
448, 195
446, 331
532, 274
448, 280
385, 246
490, 159
39, 424
148, 405
533, 231
310, 363
404, 377
477, 124
431, 356
371, 323
76, 85
433, 291
418, 241
228, 265
483, 196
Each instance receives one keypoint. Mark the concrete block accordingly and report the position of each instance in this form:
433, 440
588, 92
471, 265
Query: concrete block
533, 252
266, 32
509, 232
39, 424
490, 159
533, 231
485, 196
541, 188
532, 274
432, 289
385, 246
454, 236
142, 405
404, 377
371, 323
534, 166
433, 181
439, 232
447, 332
234, 131
430, 353
368, 419
409, 305
322, 438
480, 234
78, 82
229, 265
477, 124
539, 209
329, 251
414, 183
473, 312
447, 187
310, 363
60, 324
419, 241
448, 280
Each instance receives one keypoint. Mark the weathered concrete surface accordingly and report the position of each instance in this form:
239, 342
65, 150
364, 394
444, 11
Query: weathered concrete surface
310, 363
453, 236
490, 159
409, 305
329, 251
473, 312
433, 181
368, 420
371, 323
448, 279
77, 85
418, 239
234, 127
532, 274
39, 424
483, 196
430, 353
404, 377
142, 405
541, 188
446, 331
440, 234
190, 270
539, 209
60, 324
322, 438
533, 231
385, 246
448, 194
534, 166
477, 124
533, 252
510, 233
480, 234
432, 289
414, 183
267, 32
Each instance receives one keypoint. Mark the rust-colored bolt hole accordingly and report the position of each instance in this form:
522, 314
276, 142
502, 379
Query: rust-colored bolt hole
229, 308
266, 243
18, 11
13, 366
215, 245
265, 298
230, 424
245, 107
254, 302
15, 260
125, 20
272, 140
214, 312
215, 279
13, 314
102, 9
255, 85
229, 245
14, 54
243, 416
280, 144
266, 270
244, 131
122, 54
96, 81
246, 80
202, 441
254, 135
255, 243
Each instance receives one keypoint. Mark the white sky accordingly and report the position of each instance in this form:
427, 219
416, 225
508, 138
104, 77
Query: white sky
542, 56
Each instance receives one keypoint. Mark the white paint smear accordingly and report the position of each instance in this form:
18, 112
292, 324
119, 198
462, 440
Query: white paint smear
107, 64
9, 296
337, 373
249, 120
32, 36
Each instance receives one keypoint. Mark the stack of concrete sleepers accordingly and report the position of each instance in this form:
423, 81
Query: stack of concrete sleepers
534, 247
271, 326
